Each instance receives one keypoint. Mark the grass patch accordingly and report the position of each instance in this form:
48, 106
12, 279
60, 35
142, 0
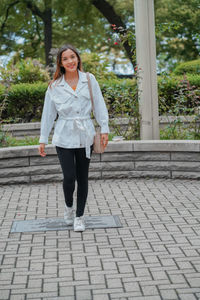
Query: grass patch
10, 141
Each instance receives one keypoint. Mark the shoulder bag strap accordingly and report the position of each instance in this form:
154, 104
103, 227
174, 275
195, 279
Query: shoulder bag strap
90, 89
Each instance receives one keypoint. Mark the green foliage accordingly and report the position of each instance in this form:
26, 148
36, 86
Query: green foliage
188, 67
194, 79
27, 141
179, 38
19, 23
80, 23
122, 102
25, 101
3, 105
24, 71
178, 94
73, 21
178, 133
12, 141
2, 92
116, 91
97, 65
3, 138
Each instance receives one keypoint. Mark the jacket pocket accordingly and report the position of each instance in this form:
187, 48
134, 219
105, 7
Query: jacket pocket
60, 99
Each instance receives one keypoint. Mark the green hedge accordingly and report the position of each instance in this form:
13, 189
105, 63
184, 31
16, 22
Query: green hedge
172, 89
120, 95
121, 98
24, 101
192, 66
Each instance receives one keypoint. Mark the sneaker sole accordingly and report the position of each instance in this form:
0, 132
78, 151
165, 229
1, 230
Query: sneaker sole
69, 223
79, 230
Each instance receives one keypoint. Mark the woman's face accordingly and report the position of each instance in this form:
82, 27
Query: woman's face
69, 60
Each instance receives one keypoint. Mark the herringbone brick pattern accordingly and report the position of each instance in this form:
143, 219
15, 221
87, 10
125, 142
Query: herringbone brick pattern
155, 256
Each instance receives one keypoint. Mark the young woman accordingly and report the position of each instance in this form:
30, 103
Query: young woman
68, 97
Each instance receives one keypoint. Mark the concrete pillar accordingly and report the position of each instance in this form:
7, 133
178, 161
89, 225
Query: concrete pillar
146, 61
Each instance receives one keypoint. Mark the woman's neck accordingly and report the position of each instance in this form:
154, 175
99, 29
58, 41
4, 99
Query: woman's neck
71, 75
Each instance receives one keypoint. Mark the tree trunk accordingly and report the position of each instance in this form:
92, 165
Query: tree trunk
46, 17
48, 34
108, 12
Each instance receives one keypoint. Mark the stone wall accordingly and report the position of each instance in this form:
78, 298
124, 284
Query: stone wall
33, 129
126, 159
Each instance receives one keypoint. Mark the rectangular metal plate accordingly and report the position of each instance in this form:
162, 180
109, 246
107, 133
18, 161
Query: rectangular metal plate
59, 224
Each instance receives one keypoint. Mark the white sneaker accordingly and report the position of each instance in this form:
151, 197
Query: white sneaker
79, 224
69, 215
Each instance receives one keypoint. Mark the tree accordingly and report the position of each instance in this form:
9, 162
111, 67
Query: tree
30, 26
177, 26
178, 29
21, 31
113, 18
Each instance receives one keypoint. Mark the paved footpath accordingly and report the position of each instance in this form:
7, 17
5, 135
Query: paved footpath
156, 255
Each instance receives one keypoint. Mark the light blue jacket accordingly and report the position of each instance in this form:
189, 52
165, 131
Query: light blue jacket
74, 127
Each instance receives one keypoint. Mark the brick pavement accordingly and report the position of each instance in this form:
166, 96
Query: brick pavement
155, 256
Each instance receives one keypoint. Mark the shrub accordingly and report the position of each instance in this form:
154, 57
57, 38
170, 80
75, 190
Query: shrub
118, 93
172, 89
25, 101
122, 101
2, 92
24, 71
194, 79
192, 66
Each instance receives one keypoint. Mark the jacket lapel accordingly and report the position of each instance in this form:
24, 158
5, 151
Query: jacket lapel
82, 82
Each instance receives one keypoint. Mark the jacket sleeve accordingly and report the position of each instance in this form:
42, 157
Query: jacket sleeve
100, 110
49, 114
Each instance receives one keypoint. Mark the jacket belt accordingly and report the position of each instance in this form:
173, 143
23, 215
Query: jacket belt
77, 123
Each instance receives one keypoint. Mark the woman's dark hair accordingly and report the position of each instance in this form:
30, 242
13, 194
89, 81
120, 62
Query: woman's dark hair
59, 69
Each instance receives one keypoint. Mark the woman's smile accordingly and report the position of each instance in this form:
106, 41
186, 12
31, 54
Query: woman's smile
71, 66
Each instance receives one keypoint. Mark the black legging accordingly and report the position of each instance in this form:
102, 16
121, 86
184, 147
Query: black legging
75, 166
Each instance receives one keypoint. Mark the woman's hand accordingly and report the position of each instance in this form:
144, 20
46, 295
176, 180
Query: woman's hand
104, 139
41, 150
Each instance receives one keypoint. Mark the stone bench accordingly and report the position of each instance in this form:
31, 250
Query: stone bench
124, 159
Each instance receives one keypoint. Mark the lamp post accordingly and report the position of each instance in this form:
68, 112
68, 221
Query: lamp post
146, 63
